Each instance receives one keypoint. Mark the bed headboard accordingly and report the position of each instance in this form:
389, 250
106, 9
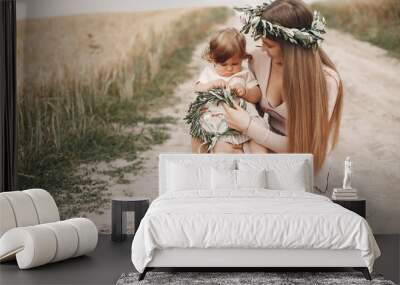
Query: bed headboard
164, 158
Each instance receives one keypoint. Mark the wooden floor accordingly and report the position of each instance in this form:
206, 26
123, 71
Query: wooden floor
111, 259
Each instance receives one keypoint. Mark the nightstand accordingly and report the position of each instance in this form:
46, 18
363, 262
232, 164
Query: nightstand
121, 205
358, 206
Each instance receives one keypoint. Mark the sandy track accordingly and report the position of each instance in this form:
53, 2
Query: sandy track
146, 183
370, 131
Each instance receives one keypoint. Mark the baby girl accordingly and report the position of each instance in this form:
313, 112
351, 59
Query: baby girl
226, 53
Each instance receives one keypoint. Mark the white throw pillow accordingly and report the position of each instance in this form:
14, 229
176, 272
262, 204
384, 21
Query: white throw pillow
281, 174
227, 179
251, 178
223, 179
288, 178
188, 177
217, 161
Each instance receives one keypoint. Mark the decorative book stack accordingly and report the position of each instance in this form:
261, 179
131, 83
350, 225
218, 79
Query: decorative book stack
344, 194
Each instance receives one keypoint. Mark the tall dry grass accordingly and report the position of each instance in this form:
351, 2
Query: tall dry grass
83, 44
66, 102
375, 21
66, 116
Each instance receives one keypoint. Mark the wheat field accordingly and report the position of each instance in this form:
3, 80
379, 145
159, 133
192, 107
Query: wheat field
375, 21
84, 44
83, 80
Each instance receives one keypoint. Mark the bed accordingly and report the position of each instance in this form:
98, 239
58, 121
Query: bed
246, 211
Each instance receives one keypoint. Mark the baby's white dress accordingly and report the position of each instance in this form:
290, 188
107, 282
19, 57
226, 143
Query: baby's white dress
214, 119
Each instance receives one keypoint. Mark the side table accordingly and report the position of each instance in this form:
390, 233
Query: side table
119, 206
358, 206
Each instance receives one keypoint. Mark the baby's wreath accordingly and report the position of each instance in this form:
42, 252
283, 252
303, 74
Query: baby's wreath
204, 100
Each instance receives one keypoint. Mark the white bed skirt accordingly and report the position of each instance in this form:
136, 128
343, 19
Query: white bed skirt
235, 257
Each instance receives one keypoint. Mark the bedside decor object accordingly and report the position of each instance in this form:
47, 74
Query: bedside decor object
119, 207
31, 231
347, 173
357, 206
347, 192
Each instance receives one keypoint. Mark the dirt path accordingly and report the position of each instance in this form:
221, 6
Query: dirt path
146, 184
370, 131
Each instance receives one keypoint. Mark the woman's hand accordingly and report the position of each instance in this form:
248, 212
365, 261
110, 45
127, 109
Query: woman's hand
198, 146
238, 118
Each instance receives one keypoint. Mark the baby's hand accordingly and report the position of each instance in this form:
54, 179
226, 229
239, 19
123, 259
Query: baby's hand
219, 83
203, 110
240, 90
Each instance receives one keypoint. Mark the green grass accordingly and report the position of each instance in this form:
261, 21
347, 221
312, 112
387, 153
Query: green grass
62, 125
377, 22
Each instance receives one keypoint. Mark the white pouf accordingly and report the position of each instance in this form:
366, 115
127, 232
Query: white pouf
31, 232
7, 220
33, 246
67, 239
88, 235
45, 205
23, 208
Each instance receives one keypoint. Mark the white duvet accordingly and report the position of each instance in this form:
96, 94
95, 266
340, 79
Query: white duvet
253, 218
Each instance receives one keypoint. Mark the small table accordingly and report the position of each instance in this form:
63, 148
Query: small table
358, 206
119, 206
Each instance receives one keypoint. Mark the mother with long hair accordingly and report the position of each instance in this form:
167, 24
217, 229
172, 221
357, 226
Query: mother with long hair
302, 93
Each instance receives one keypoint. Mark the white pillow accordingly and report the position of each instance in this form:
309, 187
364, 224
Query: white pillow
227, 179
293, 178
220, 162
188, 177
281, 174
223, 179
251, 178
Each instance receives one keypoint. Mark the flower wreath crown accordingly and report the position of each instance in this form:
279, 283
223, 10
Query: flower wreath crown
307, 38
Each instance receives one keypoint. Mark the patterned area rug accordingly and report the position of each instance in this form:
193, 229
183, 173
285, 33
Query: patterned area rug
243, 278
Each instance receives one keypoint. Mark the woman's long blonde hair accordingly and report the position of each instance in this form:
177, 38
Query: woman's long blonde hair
304, 86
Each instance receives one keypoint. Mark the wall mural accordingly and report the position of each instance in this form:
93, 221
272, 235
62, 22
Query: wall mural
105, 86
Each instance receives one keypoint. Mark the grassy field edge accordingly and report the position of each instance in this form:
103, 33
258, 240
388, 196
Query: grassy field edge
377, 22
65, 124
